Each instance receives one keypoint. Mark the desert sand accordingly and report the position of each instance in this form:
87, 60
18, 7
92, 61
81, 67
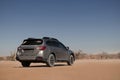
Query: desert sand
81, 70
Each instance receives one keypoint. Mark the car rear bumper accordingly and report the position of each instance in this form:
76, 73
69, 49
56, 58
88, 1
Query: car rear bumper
36, 59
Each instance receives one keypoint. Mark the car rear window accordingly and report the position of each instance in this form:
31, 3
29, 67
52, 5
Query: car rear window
32, 42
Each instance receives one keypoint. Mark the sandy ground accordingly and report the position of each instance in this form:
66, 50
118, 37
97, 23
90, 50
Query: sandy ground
81, 70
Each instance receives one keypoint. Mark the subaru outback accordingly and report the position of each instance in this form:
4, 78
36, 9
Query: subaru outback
47, 50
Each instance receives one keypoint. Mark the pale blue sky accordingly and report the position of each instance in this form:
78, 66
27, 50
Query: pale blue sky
90, 25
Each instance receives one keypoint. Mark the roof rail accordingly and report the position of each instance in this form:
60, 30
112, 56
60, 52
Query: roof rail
31, 38
46, 37
50, 38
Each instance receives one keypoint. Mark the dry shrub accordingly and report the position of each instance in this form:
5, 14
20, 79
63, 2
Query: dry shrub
11, 57
80, 54
1, 58
103, 55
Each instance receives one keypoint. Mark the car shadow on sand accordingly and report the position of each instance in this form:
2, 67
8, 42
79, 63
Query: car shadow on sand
56, 65
43, 66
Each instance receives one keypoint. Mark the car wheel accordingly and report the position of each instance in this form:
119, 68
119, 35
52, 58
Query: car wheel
25, 64
51, 60
71, 60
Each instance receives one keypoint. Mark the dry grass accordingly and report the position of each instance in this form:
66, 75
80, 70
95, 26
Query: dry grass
79, 55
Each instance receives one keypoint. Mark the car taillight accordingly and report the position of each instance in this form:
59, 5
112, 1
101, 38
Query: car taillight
41, 47
18, 48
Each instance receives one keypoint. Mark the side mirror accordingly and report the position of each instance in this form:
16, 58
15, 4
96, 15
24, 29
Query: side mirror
67, 48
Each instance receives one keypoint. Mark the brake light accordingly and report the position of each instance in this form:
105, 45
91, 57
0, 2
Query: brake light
18, 48
41, 47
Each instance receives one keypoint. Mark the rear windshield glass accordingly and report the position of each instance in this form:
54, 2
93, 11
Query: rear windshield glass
32, 42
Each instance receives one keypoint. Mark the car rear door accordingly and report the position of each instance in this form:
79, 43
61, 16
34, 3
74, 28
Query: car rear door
63, 52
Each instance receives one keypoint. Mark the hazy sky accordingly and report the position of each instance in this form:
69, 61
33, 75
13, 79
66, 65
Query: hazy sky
89, 25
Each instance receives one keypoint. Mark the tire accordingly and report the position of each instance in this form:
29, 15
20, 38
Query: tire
25, 64
71, 60
51, 60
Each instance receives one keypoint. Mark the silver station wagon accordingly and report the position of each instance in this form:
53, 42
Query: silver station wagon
47, 50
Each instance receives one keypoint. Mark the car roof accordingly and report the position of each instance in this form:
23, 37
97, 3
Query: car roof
50, 38
44, 38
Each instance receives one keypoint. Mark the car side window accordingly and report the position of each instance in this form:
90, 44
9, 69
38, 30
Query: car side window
52, 43
49, 43
55, 44
61, 46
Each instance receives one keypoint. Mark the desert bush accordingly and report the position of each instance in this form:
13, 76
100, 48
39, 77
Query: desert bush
80, 54
11, 57
103, 55
1, 58
118, 55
